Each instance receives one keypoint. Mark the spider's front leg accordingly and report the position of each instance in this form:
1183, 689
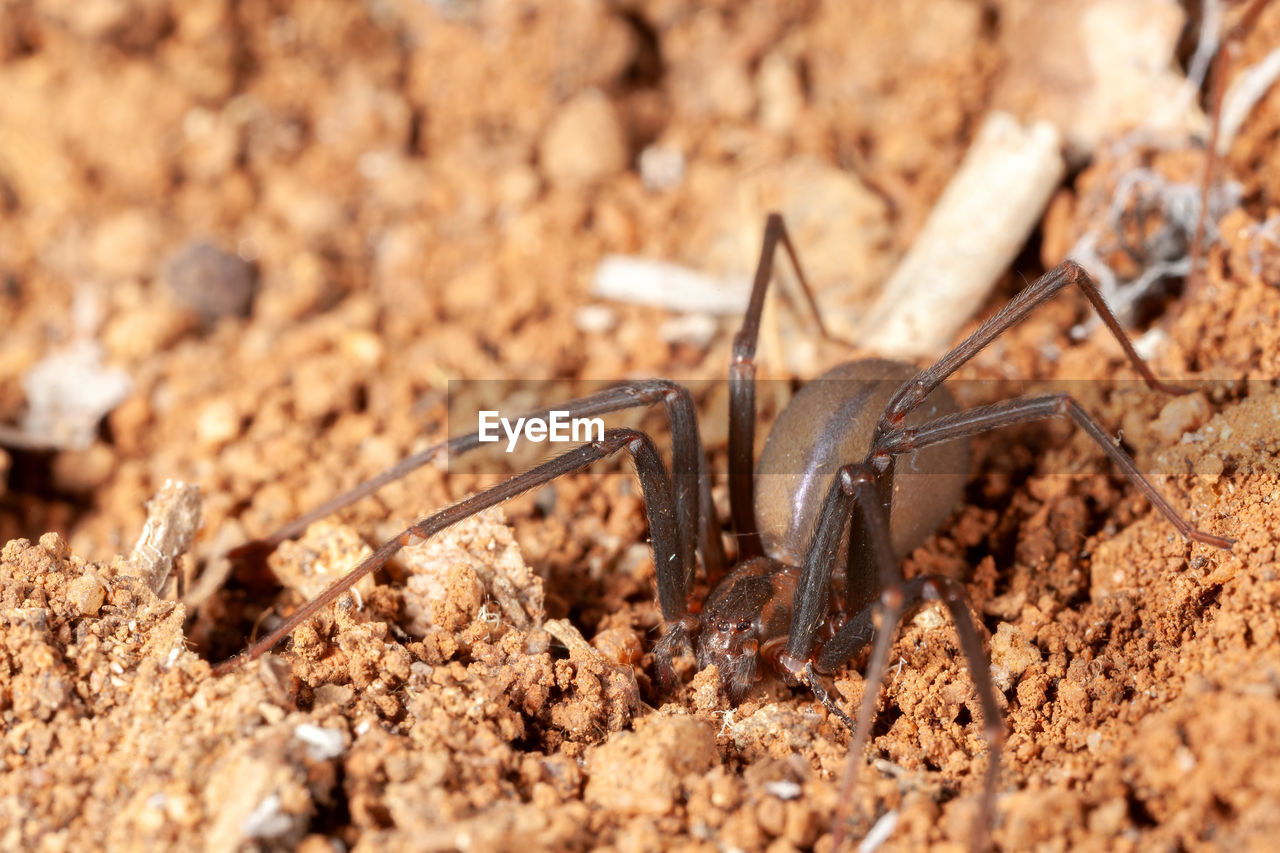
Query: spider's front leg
856, 497
742, 385
697, 525
1067, 273
659, 502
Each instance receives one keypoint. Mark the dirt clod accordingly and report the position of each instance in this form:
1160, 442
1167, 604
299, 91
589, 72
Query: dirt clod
641, 772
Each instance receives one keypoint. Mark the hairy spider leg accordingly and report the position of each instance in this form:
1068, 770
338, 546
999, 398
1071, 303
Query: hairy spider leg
695, 511
866, 484
914, 392
742, 386
1033, 408
659, 503
900, 597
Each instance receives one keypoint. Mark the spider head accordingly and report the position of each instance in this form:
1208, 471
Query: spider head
729, 641
732, 643
749, 611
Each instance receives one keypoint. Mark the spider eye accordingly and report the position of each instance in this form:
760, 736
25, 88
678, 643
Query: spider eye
742, 627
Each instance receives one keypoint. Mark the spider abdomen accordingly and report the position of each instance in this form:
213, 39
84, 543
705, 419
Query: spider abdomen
829, 423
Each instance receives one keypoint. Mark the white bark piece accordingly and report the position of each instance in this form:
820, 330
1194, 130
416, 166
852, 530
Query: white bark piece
173, 517
976, 229
648, 282
1245, 92
68, 393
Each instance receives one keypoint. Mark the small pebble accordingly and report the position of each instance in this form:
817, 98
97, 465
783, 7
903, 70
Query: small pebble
55, 545
595, 318
618, 646
585, 142
211, 282
218, 422
86, 594
783, 789
1180, 415
661, 167
1210, 466
729, 90
363, 347
1011, 649
322, 744
268, 820
125, 245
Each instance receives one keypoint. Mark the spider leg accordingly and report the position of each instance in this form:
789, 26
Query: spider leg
742, 386
814, 587
855, 485
896, 602
1021, 410
659, 503
913, 392
694, 509
714, 562
859, 484
899, 597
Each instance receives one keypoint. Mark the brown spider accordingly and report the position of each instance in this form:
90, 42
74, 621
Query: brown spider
821, 522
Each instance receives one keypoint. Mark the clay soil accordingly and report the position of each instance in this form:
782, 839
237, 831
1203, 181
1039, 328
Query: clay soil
400, 194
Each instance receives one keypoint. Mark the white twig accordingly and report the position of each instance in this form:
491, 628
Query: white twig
649, 282
1245, 92
976, 229
879, 833
173, 517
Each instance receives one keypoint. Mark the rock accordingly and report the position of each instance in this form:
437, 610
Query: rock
661, 167
781, 93
210, 281
126, 245
640, 772
86, 594
585, 142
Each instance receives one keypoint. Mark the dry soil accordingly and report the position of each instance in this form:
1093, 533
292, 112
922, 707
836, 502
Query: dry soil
290, 225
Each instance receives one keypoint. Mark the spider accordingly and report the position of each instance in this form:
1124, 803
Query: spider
861, 466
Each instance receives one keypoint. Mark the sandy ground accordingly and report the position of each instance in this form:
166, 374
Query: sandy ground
279, 231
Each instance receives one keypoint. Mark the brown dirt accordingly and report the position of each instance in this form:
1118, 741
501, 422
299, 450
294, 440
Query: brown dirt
422, 191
